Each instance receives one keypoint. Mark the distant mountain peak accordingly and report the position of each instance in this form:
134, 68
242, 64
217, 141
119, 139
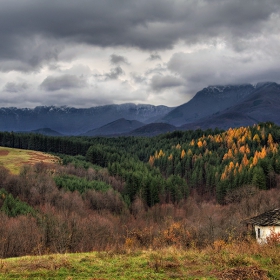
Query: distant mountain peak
222, 90
216, 88
211, 100
261, 105
264, 84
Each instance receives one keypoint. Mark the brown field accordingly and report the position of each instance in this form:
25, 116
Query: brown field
15, 159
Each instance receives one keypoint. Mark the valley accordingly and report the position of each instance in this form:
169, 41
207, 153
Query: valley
152, 200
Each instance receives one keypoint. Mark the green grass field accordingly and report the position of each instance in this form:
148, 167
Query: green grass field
228, 262
137, 265
14, 159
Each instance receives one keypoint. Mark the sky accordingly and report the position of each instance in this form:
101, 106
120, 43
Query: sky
90, 52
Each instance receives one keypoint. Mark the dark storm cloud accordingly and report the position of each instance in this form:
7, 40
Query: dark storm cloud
159, 83
34, 31
25, 54
115, 73
118, 59
62, 82
15, 87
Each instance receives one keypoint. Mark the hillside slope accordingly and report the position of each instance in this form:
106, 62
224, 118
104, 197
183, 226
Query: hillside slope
262, 105
206, 102
114, 128
152, 129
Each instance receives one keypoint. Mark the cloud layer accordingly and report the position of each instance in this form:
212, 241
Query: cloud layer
86, 53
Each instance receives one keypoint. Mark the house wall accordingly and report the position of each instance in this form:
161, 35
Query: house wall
262, 232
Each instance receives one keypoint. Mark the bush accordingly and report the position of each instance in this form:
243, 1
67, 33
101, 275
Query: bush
13, 207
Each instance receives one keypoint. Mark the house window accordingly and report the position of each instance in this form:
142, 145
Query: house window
259, 233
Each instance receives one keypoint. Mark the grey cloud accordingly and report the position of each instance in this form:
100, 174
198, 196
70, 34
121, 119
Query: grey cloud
34, 31
16, 65
26, 54
208, 67
159, 83
154, 56
140, 79
115, 73
15, 87
37, 35
62, 82
159, 69
118, 59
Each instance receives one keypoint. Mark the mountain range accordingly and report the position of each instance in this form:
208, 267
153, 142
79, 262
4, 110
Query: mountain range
214, 106
76, 121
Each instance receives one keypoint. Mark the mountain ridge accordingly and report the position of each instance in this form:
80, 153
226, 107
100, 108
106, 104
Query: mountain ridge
262, 105
76, 121
206, 102
220, 106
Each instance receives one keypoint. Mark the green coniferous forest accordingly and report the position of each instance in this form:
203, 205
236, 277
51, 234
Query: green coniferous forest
130, 190
169, 166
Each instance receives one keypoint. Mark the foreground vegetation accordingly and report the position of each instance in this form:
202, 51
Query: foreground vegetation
39, 216
171, 206
231, 261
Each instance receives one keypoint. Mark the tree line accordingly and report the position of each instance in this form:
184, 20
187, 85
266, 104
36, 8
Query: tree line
180, 188
168, 167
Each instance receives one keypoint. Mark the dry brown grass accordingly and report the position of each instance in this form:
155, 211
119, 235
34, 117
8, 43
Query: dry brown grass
243, 273
15, 159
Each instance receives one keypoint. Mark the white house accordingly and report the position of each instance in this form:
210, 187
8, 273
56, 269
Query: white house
265, 224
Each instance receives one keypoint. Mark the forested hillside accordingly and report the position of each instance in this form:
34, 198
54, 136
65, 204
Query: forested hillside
167, 167
176, 188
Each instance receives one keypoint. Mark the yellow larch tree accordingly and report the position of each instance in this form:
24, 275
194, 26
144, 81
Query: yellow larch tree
263, 152
270, 140
204, 143
183, 153
245, 160
199, 144
151, 160
161, 154
231, 166
242, 150
255, 159
257, 138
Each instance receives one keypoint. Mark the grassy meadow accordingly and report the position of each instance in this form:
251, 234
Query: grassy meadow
13, 159
235, 261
